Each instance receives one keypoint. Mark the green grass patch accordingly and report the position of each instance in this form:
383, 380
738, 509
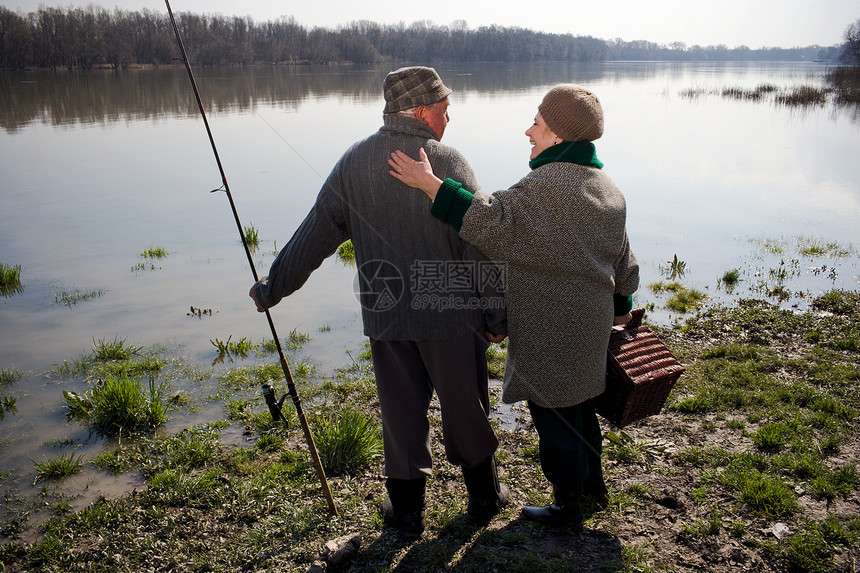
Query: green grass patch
296, 339
240, 348
496, 355
674, 269
154, 252
710, 526
9, 376
772, 436
841, 302
270, 442
686, 300
59, 467
150, 256
817, 248
116, 349
624, 448
661, 287
765, 494
693, 405
729, 280
704, 457
252, 236
840, 482
347, 440
119, 405
10, 279
70, 298
115, 461
813, 548
771, 245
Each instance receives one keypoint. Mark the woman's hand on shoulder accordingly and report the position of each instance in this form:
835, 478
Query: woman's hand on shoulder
415, 173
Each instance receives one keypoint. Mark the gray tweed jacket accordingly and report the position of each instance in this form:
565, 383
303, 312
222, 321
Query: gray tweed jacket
561, 234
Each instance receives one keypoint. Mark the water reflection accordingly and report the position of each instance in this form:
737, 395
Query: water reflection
100, 97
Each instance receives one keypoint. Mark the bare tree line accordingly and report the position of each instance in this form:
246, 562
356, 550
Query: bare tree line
84, 38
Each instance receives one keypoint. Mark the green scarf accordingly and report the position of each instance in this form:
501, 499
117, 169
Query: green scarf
579, 152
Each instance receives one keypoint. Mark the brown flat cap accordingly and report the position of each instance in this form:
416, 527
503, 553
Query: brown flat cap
413, 86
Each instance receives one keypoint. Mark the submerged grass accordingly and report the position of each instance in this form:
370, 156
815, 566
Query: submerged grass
252, 236
802, 96
845, 81
9, 376
10, 279
59, 467
117, 349
154, 252
842, 84
70, 298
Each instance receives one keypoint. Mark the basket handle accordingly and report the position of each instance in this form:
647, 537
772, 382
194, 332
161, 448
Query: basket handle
636, 320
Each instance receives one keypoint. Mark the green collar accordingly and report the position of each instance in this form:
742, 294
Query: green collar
579, 152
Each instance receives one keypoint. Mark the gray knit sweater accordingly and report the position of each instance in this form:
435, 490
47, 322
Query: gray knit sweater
561, 233
418, 279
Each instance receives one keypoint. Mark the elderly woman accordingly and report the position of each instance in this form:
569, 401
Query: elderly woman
560, 232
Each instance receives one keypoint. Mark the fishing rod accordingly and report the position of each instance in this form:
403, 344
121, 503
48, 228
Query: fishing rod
267, 390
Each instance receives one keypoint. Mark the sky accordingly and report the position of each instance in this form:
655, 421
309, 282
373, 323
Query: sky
751, 23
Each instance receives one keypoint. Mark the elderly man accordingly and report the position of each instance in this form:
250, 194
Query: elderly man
421, 341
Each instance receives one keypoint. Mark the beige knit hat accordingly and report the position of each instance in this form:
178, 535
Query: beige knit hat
572, 112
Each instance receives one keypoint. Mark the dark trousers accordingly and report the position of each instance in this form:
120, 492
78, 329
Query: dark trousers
570, 445
407, 373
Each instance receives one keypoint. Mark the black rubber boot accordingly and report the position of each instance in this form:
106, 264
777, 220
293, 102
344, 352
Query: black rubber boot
403, 509
486, 495
566, 511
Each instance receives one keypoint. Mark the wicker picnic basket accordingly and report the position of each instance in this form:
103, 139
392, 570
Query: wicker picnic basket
640, 373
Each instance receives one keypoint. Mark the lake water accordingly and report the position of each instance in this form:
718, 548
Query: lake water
97, 167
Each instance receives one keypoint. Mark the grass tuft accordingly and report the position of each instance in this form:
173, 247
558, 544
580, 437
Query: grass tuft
729, 280
10, 279
9, 377
59, 467
813, 548
119, 405
347, 440
70, 298
154, 252
106, 350
686, 300
765, 494
252, 236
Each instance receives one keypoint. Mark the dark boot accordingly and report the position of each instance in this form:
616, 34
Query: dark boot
486, 495
566, 511
403, 509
